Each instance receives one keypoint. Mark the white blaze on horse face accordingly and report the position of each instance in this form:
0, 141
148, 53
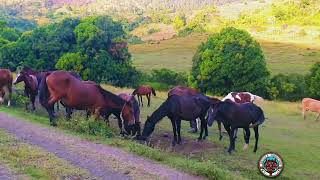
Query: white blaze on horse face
15, 80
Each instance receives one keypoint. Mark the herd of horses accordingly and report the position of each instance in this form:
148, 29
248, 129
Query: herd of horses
234, 111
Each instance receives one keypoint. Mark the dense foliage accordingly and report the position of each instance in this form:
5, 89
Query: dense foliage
230, 61
288, 87
165, 79
312, 80
95, 47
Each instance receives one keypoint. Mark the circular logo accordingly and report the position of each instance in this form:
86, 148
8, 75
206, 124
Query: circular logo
270, 164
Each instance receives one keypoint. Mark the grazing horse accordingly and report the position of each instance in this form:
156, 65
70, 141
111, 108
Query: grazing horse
136, 111
178, 108
242, 97
234, 116
31, 86
144, 90
182, 91
309, 104
5, 85
81, 96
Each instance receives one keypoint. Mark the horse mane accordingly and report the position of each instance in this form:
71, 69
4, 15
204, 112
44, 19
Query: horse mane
108, 95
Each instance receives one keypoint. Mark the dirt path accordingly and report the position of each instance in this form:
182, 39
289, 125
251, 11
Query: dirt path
101, 161
7, 174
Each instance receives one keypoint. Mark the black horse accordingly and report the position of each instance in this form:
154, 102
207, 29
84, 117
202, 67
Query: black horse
234, 116
178, 108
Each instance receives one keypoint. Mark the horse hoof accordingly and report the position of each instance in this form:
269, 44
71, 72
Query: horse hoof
53, 124
245, 147
173, 143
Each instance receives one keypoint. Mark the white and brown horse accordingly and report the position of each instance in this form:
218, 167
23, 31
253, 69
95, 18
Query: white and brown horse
312, 105
242, 97
5, 85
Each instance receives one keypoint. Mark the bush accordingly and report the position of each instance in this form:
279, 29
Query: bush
290, 87
153, 30
135, 40
230, 61
312, 81
19, 100
168, 77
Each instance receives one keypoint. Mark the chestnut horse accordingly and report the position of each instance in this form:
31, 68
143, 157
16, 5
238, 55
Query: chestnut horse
61, 85
5, 85
309, 104
144, 90
31, 86
136, 111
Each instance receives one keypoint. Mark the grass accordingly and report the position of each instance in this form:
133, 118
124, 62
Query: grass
176, 54
35, 162
283, 132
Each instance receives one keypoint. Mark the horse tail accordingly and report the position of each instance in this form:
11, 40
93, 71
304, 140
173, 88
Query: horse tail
153, 92
44, 93
260, 119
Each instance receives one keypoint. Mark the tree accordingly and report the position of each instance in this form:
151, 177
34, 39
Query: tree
313, 79
179, 22
230, 61
71, 62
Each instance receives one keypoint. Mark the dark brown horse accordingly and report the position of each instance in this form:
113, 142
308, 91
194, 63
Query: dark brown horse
81, 96
234, 116
178, 108
31, 86
136, 111
5, 85
183, 91
144, 90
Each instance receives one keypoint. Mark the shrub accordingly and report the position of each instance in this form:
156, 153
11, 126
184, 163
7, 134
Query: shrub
135, 40
312, 81
19, 100
153, 30
168, 77
290, 87
230, 61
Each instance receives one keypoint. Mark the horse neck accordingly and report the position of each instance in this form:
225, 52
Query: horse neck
112, 100
161, 112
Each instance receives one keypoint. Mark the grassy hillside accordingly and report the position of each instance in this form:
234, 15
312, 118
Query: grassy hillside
176, 54
284, 132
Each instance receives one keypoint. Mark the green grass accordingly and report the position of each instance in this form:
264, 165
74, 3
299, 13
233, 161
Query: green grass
176, 54
284, 132
35, 162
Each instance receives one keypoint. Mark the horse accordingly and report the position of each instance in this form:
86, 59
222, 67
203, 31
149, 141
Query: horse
309, 104
181, 91
6, 79
242, 97
131, 99
178, 108
31, 86
144, 90
234, 116
61, 85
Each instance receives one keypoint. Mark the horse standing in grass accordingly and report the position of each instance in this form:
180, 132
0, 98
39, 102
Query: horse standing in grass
309, 104
234, 116
178, 108
242, 97
61, 85
136, 111
144, 90
31, 86
5, 85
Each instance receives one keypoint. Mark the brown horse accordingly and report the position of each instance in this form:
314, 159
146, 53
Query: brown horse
144, 90
81, 96
31, 86
242, 97
136, 110
5, 85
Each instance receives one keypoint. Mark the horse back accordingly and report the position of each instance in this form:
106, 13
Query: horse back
311, 104
5, 77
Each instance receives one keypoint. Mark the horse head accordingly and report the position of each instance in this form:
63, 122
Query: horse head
128, 117
19, 78
213, 112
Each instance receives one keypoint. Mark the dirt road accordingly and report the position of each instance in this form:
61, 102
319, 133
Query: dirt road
102, 161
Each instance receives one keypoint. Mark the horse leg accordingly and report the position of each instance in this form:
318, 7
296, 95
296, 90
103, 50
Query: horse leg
106, 118
149, 99
318, 117
178, 130
141, 100
174, 129
88, 114
219, 127
68, 113
10, 94
33, 98
304, 114
201, 129
246, 134
97, 114
256, 134
232, 140
51, 115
